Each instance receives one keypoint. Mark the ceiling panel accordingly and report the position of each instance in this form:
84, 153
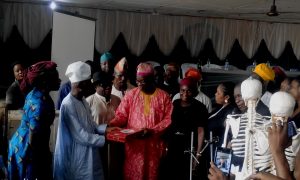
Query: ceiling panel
241, 9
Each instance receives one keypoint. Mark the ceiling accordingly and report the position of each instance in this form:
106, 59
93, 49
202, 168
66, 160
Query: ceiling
237, 9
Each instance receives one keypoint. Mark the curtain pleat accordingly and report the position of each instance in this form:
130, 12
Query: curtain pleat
35, 21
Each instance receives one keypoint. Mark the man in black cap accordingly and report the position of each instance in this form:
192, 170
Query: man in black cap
100, 100
101, 108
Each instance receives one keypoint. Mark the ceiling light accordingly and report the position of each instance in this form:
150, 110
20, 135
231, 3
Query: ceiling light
273, 11
52, 5
154, 12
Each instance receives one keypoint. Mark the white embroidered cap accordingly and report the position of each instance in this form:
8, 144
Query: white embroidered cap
282, 104
78, 71
251, 89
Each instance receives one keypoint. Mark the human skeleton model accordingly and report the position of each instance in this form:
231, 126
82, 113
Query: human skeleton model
245, 131
249, 135
255, 158
281, 107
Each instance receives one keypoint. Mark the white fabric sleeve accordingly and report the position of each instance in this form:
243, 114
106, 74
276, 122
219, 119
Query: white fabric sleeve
101, 129
78, 132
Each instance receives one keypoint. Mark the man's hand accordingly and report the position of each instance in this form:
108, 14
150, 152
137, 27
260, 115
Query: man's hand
195, 163
109, 129
215, 173
278, 138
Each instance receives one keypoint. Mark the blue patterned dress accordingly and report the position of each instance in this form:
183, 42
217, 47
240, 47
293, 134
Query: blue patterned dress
32, 161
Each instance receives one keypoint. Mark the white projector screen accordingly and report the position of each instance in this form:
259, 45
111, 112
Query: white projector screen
73, 39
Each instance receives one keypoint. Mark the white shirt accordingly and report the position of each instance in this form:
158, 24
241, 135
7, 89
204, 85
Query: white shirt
266, 98
117, 93
101, 111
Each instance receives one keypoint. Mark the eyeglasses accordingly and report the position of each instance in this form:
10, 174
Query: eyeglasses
140, 82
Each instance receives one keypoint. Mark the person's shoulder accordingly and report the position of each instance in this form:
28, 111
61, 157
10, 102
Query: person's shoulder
177, 96
176, 102
200, 93
13, 86
130, 86
196, 102
128, 95
163, 95
199, 105
67, 101
262, 109
35, 98
30, 95
10, 90
90, 97
230, 107
203, 98
132, 91
162, 92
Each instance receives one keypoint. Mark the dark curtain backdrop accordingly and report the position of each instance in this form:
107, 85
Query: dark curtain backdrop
16, 49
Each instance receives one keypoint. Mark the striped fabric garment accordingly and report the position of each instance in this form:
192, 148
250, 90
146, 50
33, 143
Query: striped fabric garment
238, 139
292, 150
262, 159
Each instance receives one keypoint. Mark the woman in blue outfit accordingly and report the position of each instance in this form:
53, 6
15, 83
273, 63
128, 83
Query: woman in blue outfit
29, 155
216, 121
217, 118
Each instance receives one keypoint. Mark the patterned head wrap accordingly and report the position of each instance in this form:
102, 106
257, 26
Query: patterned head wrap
193, 73
153, 63
189, 82
279, 72
144, 69
121, 66
265, 72
34, 71
107, 56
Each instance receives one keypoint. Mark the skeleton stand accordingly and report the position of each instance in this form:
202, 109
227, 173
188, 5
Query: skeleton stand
192, 156
191, 150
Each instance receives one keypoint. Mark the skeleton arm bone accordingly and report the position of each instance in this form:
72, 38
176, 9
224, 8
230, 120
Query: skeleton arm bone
233, 123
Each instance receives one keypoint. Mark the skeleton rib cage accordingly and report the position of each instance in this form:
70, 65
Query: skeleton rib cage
262, 158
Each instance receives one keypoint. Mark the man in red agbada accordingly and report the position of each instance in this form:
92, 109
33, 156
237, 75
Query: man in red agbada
149, 109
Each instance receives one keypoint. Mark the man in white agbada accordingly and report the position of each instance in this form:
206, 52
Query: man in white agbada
78, 138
